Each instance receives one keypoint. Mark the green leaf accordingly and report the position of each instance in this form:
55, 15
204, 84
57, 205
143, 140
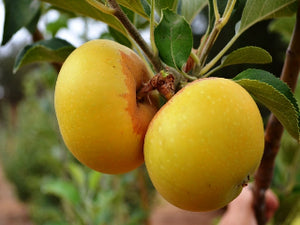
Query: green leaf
84, 8
275, 95
62, 189
18, 14
77, 174
119, 37
288, 153
165, 4
257, 10
284, 26
55, 26
173, 38
135, 6
32, 25
146, 6
247, 55
190, 8
94, 178
53, 50
285, 11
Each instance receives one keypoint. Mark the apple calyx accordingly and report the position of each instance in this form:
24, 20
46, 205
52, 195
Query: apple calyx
163, 82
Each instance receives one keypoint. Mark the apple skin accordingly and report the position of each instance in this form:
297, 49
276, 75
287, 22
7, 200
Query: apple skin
99, 118
203, 144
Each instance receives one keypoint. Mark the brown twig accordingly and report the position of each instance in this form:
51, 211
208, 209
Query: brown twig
274, 129
37, 35
136, 35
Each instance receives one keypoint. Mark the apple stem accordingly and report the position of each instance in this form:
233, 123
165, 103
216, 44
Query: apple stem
274, 129
164, 84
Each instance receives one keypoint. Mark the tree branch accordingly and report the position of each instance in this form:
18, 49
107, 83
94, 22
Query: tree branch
135, 35
274, 129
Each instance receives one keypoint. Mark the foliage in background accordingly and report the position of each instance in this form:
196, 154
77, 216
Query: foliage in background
89, 197
286, 182
30, 146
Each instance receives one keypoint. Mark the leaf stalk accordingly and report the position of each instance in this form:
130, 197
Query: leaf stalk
220, 22
216, 10
209, 65
152, 26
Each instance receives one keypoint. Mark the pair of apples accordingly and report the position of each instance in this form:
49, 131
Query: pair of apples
200, 148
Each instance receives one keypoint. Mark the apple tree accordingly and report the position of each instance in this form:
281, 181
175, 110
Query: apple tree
176, 59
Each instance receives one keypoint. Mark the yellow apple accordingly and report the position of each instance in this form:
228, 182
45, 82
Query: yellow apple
203, 144
99, 117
